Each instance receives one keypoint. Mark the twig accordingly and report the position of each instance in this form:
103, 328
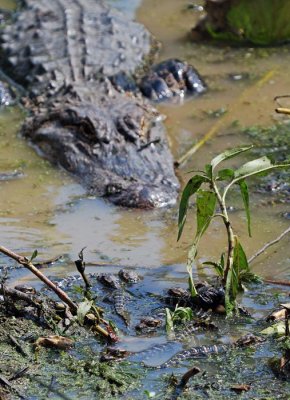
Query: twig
183, 381
17, 345
19, 374
17, 295
45, 263
277, 282
28, 264
267, 245
282, 110
5, 382
81, 266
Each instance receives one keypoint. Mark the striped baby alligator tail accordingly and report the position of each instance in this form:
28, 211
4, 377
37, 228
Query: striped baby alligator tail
195, 352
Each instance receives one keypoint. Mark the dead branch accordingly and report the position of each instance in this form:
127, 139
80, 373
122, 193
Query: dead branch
5, 382
277, 282
46, 263
28, 264
183, 382
17, 295
17, 345
282, 110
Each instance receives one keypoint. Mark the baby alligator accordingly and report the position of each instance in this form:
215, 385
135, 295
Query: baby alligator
119, 295
202, 351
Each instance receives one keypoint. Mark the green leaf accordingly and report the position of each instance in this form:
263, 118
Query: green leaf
226, 174
245, 196
229, 300
228, 154
205, 209
239, 269
34, 255
191, 257
208, 170
182, 314
240, 263
258, 166
277, 329
192, 186
217, 266
83, 308
169, 320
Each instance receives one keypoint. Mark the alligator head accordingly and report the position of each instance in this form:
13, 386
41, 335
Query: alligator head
113, 143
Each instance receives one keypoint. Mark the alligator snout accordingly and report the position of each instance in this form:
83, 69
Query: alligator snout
145, 196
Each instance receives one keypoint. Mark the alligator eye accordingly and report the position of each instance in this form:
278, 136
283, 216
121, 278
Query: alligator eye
87, 129
113, 189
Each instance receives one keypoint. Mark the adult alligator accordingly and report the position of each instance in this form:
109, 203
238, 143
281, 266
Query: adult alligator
64, 52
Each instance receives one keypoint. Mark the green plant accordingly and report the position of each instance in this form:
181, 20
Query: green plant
178, 316
211, 187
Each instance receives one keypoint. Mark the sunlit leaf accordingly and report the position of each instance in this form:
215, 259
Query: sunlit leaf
277, 329
169, 321
190, 260
182, 314
192, 186
228, 154
205, 209
83, 308
245, 196
262, 165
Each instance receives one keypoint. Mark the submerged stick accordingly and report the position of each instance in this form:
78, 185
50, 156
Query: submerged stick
221, 122
267, 245
179, 388
46, 263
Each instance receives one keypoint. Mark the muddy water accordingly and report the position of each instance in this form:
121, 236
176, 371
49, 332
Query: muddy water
47, 210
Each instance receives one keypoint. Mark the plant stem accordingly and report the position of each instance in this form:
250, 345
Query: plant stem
229, 229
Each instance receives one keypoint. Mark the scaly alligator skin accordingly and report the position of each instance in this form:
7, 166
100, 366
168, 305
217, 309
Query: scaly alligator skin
202, 351
64, 52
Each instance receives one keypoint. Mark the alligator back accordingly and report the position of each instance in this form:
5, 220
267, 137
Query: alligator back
65, 41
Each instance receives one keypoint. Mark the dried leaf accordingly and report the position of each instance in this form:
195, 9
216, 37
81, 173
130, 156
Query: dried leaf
241, 388
54, 341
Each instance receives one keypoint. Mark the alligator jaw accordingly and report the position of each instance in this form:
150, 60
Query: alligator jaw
146, 196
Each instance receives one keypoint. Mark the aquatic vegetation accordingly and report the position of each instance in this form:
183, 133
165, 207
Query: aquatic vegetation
232, 268
262, 22
177, 316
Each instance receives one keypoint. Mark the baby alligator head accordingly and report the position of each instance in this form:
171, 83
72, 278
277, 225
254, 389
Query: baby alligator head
111, 142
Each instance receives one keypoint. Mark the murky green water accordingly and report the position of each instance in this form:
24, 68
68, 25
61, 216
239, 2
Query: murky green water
48, 210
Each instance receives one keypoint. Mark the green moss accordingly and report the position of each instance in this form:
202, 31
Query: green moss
262, 22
